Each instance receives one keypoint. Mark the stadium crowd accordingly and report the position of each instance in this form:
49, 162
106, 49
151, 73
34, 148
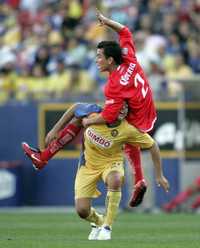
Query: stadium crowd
48, 47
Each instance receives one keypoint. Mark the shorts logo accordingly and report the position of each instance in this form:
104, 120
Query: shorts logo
98, 139
114, 132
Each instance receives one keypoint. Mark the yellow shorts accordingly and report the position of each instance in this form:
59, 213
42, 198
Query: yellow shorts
87, 179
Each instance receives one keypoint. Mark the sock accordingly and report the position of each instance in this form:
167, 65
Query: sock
112, 204
134, 158
65, 136
196, 203
182, 197
94, 217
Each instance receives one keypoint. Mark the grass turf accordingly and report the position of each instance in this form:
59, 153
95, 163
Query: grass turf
131, 230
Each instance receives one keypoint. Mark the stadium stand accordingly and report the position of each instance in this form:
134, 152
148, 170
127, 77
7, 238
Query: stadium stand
47, 48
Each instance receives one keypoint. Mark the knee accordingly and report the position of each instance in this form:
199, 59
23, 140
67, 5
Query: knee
115, 182
83, 212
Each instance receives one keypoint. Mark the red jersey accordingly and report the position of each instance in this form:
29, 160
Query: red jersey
129, 83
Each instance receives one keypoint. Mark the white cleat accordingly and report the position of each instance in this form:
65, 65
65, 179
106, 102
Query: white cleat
104, 233
94, 232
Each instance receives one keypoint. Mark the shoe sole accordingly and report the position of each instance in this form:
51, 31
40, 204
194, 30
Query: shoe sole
140, 197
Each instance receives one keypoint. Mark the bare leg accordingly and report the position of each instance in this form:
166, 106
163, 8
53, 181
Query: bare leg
85, 211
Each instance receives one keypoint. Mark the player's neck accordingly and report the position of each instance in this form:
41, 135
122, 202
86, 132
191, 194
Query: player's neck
114, 124
112, 68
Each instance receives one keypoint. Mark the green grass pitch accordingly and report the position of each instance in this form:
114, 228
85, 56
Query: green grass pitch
131, 230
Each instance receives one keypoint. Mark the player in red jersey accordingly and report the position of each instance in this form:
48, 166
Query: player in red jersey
126, 82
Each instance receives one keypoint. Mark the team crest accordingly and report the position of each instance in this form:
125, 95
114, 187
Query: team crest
114, 132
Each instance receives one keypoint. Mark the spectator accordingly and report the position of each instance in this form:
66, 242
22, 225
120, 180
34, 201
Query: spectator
39, 33
180, 69
194, 56
59, 82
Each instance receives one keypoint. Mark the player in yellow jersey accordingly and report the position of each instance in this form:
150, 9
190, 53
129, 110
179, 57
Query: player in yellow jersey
102, 159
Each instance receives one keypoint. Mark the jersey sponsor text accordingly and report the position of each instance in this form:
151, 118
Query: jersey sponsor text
124, 80
98, 139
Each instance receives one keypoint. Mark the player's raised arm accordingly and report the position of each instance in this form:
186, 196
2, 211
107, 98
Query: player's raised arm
125, 37
116, 26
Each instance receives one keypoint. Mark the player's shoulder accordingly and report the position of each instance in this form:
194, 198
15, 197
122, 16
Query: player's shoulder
127, 127
125, 31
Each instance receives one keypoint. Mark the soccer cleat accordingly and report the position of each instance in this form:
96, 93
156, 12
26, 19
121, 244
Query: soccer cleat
94, 232
138, 193
104, 233
34, 155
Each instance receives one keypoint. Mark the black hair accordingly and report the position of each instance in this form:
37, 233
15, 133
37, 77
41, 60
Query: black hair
111, 49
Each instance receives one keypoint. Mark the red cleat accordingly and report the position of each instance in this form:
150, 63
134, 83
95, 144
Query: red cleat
138, 193
34, 155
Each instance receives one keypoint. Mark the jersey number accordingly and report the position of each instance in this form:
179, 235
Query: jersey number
139, 79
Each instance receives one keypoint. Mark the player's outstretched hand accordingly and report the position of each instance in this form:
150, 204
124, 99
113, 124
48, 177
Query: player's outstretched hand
101, 18
162, 181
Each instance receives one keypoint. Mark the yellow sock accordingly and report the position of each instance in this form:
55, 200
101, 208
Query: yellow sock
94, 217
112, 204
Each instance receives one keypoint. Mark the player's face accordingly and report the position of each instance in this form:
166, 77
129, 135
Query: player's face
101, 61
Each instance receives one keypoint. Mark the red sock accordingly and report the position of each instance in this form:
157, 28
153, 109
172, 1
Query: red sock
134, 158
196, 203
65, 136
182, 197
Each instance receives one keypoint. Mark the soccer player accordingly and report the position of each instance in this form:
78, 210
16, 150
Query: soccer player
102, 159
184, 196
126, 82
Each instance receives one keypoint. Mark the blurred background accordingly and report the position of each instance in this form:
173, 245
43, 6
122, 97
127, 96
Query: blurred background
47, 62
